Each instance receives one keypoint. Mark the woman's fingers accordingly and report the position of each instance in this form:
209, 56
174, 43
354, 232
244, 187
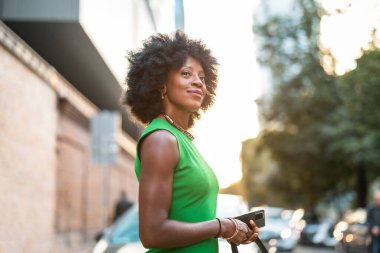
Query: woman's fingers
253, 234
245, 235
255, 228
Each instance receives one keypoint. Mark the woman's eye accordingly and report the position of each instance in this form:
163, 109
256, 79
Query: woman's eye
186, 73
203, 79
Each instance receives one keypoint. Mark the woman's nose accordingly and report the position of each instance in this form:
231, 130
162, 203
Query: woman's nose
198, 82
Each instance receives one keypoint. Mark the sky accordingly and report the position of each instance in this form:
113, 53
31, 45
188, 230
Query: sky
347, 31
226, 28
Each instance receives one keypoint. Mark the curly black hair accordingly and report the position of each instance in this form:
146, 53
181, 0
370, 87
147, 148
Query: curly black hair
149, 69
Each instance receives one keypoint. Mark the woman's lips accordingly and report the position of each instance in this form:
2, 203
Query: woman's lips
196, 92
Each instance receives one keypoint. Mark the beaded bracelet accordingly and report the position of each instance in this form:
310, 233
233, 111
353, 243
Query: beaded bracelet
236, 229
220, 228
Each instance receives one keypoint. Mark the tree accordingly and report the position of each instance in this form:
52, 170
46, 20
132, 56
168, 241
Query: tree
354, 129
303, 97
316, 126
288, 41
297, 112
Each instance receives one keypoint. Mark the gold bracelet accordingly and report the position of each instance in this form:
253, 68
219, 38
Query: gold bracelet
236, 229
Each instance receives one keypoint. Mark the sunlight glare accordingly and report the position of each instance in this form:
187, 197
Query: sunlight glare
348, 30
226, 28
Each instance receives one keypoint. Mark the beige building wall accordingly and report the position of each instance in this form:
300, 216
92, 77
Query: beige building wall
28, 129
79, 183
50, 197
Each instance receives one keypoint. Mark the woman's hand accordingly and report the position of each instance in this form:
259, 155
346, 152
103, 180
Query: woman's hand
237, 232
253, 233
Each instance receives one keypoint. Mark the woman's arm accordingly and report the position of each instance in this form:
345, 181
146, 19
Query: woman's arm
159, 157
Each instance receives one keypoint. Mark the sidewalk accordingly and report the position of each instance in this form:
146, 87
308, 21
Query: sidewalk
74, 243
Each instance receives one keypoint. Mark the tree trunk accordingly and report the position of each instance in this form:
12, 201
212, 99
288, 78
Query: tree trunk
362, 187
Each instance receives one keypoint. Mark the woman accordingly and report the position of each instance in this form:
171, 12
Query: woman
172, 78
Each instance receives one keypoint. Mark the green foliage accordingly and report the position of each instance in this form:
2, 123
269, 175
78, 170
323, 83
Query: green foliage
321, 133
289, 41
354, 129
297, 112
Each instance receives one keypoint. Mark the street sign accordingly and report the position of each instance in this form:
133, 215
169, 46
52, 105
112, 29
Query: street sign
105, 127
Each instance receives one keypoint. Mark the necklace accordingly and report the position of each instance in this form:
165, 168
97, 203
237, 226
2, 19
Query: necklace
178, 126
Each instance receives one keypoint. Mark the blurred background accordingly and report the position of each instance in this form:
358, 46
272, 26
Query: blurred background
294, 129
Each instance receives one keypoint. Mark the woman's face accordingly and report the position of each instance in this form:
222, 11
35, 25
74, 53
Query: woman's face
186, 88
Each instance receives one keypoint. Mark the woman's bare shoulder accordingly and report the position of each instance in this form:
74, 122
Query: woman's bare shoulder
161, 148
159, 138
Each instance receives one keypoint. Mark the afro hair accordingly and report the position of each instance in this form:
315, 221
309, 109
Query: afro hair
149, 68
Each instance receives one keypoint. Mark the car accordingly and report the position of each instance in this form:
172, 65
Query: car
281, 231
352, 232
319, 234
123, 235
318, 231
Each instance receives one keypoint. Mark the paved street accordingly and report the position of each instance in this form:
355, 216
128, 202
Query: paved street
305, 249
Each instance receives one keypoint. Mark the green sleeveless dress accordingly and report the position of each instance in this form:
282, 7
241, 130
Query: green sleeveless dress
195, 188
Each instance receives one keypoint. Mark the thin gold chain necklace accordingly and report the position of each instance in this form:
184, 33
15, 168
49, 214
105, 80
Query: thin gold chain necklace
178, 126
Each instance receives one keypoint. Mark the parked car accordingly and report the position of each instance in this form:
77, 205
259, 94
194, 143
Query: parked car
352, 232
318, 231
281, 231
123, 235
319, 234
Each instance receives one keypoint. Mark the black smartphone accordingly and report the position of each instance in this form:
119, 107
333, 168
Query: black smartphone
257, 216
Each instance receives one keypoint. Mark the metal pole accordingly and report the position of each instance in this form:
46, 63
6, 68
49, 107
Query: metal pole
105, 195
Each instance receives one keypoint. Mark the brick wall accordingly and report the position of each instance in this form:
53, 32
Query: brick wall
79, 205
28, 129
50, 197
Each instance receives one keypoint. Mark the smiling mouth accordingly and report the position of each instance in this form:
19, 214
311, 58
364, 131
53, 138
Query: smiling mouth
198, 93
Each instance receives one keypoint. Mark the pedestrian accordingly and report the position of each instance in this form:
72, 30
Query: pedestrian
373, 220
170, 80
122, 205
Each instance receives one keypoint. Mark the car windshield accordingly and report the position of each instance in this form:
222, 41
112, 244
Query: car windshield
126, 228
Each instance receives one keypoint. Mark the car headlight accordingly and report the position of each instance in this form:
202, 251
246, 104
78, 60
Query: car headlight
341, 226
338, 235
272, 242
339, 229
286, 233
100, 247
349, 238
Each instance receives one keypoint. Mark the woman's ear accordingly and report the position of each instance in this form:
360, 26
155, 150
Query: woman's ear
163, 91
